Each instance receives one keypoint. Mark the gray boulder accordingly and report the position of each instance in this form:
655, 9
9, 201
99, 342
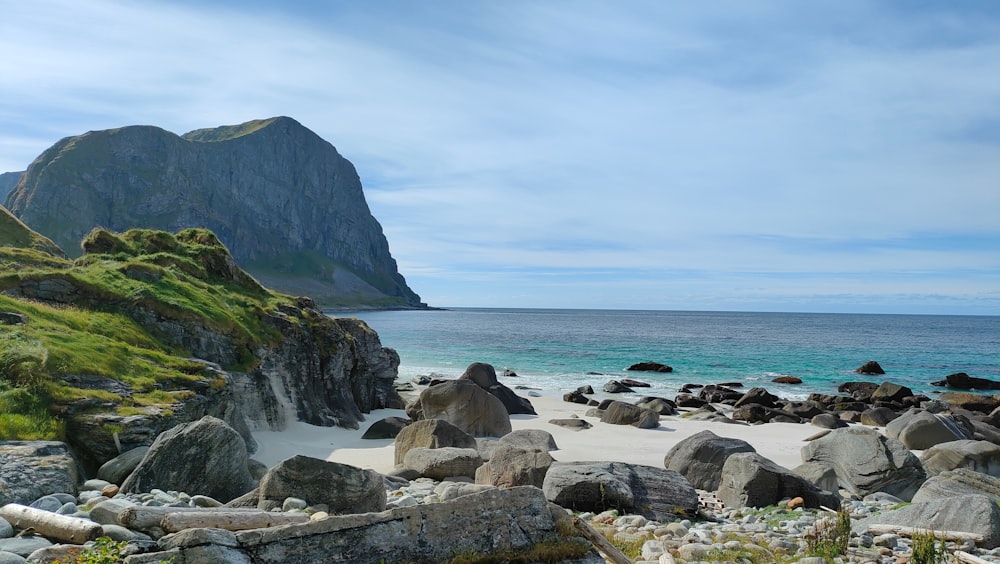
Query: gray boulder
465, 405
750, 480
820, 475
11, 558
537, 439
442, 463
341, 487
888, 391
977, 514
513, 465
386, 428
866, 462
119, 467
32, 469
960, 481
919, 430
24, 546
980, 456
877, 416
616, 387
430, 433
622, 413
204, 457
575, 424
654, 493
700, 457
485, 376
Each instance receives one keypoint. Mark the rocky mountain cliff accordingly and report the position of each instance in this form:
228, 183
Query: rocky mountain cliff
288, 206
7, 182
15, 234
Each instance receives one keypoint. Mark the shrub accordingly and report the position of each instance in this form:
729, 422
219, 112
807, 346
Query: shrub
926, 549
831, 536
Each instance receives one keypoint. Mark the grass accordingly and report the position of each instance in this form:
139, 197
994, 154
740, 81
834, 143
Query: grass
97, 323
831, 536
927, 549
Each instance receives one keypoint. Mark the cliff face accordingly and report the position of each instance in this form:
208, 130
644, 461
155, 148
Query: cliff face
15, 234
7, 182
286, 203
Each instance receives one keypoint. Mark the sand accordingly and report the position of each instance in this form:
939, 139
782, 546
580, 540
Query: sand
780, 442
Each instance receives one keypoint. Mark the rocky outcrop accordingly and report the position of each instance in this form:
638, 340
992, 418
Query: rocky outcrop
341, 488
31, 469
286, 203
485, 376
962, 381
977, 514
8, 180
465, 405
700, 457
14, 233
430, 433
750, 480
511, 466
979, 456
870, 367
919, 430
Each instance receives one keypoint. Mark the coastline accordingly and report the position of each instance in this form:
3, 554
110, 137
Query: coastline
780, 442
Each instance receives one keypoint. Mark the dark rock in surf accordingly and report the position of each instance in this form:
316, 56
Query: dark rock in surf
787, 380
962, 381
650, 367
634, 383
616, 387
870, 367
861, 391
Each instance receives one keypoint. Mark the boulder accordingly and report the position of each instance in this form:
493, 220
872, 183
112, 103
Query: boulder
750, 480
536, 439
877, 416
441, 463
574, 424
888, 391
700, 457
341, 487
787, 380
973, 402
718, 393
820, 475
663, 406
960, 481
980, 456
962, 381
804, 410
828, 421
386, 428
32, 469
119, 467
465, 405
576, 396
586, 389
858, 390
650, 367
867, 461
512, 465
919, 430
616, 387
430, 433
654, 493
621, 413
758, 396
978, 514
689, 400
755, 413
485, 376
870, 367
205, 457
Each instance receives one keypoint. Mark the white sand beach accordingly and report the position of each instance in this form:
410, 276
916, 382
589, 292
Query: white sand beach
780, 442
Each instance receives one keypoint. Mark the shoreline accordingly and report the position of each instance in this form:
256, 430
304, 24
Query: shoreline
780, 442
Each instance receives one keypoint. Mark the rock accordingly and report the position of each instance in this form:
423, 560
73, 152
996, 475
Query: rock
6, 530
11, 558
450, 490
888, 391
341, 487
803, 410
576, 397
485, 376
878, 416
536, 439
689, 400
753, 413
858, 390
586, 389
758, 396
513, 465
650, 367
616, 387
787, 380
977, 514
13, 318
119, 467
635, 383
962, 381
663, 406
828, 421
106, 512
819, 474
957, 482
972, 402
980, 456
717, 393
919, 430
654, 493
621, 413
465, 405
574, 424
430, 433
870, 367
32, 469
205, 457
386, 428
24, 546
866, 462
444, 462
750, 480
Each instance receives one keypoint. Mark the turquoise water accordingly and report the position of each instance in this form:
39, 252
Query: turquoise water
562, 349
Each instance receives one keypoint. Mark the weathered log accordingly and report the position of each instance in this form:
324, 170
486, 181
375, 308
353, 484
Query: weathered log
963, 556
62, 528
228, 520
144, 518
602, 544
910, 531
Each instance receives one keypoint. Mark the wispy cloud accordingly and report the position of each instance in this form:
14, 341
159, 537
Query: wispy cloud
737, 152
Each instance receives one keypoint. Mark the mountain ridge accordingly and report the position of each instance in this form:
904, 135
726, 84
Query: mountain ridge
282, 199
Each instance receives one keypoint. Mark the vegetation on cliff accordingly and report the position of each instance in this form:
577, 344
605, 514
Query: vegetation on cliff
67, 324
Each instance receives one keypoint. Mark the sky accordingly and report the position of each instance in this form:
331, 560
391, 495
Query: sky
825, 156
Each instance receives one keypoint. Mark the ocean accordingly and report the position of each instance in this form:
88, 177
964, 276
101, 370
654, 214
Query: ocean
559, 350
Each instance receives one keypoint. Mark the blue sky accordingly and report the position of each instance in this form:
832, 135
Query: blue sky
780, 156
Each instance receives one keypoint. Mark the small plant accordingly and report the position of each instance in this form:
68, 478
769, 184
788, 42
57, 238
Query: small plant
831, 536
105, 551
926, 549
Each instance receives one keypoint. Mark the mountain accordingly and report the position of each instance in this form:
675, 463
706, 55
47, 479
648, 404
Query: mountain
288, 206
16, 235
8, 180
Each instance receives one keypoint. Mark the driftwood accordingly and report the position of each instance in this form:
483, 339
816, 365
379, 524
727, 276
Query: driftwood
910, 531
228, 520
969, 558
602, 544
62, 528
144, 518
